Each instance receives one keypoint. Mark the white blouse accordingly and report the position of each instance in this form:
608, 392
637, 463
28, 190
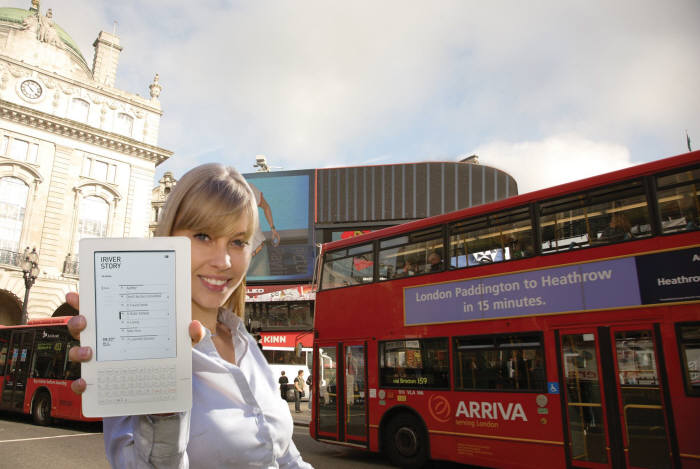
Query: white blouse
237, 419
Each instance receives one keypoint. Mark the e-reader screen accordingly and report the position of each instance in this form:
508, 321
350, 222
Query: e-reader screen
135, 305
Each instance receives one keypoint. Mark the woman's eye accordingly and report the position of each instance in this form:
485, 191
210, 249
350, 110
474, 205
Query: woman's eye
201, 236
239, 243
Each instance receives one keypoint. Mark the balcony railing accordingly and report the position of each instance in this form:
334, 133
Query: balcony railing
10, 258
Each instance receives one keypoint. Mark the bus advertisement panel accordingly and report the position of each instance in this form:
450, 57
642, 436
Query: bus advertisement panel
558, 328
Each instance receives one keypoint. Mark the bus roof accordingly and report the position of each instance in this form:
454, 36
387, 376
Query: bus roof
573, 187
54, 321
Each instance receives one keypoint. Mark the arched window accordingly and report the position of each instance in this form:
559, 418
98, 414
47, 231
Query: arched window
13, 204
79, 109
125, 124
93, 219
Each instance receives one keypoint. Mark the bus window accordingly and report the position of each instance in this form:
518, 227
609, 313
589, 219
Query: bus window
679, 200
414, 364
602, 216
415, 253
501, 362
72, 368
346, 267
689, 340
50, 356
492, 238
4, 343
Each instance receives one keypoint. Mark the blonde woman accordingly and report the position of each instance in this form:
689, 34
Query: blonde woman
237, 418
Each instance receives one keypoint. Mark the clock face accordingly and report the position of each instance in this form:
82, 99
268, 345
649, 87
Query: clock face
31, 89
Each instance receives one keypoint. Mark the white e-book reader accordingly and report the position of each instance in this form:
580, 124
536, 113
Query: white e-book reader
135, 295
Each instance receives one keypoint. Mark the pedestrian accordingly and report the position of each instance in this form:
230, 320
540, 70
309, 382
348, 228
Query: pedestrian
298, 390
309, 383
284, 383
236, 419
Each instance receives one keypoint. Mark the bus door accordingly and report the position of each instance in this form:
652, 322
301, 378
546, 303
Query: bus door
19, 358
342, 395
613, 397
355, 374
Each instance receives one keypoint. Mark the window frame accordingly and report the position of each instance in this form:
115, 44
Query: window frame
479, 223
690, 390
493, 339
351, 252
412, 238
584, 200
381, 355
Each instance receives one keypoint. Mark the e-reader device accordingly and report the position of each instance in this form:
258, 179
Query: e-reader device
136, 296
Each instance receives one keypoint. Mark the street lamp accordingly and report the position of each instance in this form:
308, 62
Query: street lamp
30, 269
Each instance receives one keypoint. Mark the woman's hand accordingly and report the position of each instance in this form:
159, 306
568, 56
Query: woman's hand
77, 324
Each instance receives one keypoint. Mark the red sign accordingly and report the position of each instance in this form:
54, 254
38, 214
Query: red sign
286, 340
352, 234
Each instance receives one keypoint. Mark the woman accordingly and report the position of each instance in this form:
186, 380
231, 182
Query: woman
237, 419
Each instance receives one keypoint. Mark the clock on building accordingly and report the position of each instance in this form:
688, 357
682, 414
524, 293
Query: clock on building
31, 89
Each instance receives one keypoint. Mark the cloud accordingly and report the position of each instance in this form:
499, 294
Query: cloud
553, 160
317, 83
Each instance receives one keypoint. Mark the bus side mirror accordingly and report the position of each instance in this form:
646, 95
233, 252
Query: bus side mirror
297, 349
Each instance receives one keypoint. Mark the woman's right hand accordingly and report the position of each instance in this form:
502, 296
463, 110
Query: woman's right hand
77, 324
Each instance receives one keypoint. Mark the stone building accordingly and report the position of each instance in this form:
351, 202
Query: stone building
159, 195
77, 155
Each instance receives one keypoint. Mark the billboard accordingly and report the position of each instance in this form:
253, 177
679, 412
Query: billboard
285, 201
625, 282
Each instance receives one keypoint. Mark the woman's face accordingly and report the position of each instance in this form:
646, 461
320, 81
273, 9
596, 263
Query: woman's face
218, 265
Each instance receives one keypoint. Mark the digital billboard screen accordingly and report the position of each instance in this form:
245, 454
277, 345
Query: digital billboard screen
284, 202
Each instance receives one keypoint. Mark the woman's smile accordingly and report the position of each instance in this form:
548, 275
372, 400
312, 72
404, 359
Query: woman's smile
216, 284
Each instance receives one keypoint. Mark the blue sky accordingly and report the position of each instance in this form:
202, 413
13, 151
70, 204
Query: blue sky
548, 91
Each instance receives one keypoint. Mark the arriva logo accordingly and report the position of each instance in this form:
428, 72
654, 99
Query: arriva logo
491, 410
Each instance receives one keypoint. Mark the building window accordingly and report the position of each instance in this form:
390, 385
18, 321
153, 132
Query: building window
17, 149
97, 169
13, 204
125, 124
79, 110
93, 218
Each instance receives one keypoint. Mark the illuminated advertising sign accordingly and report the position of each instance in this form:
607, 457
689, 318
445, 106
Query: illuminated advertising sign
265, 293
659, 278
283, 246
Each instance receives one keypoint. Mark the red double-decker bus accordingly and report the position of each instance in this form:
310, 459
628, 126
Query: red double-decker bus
558, 328
36, 373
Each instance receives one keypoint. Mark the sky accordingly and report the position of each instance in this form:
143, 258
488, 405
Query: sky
548, 91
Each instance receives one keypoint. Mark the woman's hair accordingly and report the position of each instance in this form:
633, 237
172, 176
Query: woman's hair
210, 198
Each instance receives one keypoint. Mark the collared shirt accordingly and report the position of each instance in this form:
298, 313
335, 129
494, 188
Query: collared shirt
237, 419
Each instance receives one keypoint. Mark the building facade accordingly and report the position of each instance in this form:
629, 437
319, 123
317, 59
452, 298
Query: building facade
309, 207
77, 156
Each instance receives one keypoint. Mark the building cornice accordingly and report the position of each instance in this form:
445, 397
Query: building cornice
84, 133
94, 87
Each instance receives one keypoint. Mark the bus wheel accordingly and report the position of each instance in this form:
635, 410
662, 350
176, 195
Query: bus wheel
41, 410
406, 442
